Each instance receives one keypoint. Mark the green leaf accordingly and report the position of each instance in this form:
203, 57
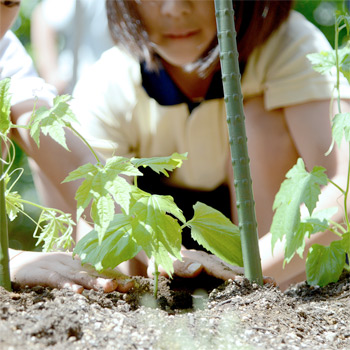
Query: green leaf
13, 204
117, 245
84, 171
161, 164
84, 194
121, 190
52, 121
346, 242
5, 106
102, 213
322, 62
340, 127
295, 242
151, 219
344, 59
120, 165
155, 231
325, 264
299, 187
325, 62
57, 232
216, 233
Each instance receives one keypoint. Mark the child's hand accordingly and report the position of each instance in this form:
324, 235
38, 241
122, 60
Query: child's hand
60, 270
194, 262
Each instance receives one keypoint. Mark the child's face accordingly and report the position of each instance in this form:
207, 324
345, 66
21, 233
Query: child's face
8, 13
181, 30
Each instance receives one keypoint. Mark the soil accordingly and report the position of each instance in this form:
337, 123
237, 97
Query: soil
230, 315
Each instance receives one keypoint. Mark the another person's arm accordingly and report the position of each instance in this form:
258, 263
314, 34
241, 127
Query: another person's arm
45, 49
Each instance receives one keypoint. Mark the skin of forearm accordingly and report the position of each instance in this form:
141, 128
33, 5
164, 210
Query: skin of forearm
51, 159
44, 43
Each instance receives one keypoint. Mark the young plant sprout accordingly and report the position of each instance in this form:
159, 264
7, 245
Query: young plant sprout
324, 264
4, 127
56, 227
150, 222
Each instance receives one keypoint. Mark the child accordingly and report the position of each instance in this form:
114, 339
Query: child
31, 268
159, 91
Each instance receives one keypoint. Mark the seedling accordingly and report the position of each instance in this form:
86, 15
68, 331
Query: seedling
149, 222
152, 223
324, 264
55, 226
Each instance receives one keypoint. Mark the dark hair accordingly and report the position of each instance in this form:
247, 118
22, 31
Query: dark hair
254, 21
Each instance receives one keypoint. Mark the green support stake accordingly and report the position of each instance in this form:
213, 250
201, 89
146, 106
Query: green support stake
238, 140
4, 244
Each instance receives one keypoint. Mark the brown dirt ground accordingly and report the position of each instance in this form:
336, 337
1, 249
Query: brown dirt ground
232, 315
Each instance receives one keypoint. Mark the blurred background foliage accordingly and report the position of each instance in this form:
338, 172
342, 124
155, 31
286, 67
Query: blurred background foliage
319, 12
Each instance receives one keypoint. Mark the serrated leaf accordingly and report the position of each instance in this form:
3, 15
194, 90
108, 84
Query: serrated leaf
102, 212
84, 171
34, 129
101, 184
295, 242
156, 232
5, 106
56, 132
322, 62
162, 258
325, 62
341, 127
161, 164
325, 264
117, 245
13, 205
57, 232
299, 187
52, 121
152, 224
121, 190
98, 185
344, 59
83, 196
121, 165
216, 233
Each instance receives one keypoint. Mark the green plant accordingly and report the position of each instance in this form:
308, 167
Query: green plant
324, 264
148, 222
238, 140
53, 227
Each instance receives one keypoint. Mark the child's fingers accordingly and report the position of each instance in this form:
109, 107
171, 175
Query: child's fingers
187, 268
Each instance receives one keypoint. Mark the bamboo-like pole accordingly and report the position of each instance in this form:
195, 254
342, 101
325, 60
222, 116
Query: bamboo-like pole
238, 140
4, 244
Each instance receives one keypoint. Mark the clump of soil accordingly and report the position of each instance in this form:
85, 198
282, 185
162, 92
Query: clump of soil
187, 314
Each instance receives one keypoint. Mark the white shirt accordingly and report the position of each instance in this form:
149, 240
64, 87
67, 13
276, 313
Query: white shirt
15, 63
118, 116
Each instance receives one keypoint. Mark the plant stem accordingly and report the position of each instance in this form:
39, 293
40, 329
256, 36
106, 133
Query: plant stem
238, 140
156, 278
346, 192
86, 143
5, 280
